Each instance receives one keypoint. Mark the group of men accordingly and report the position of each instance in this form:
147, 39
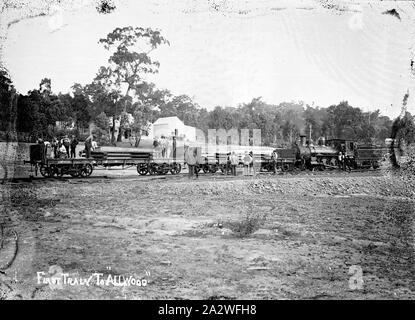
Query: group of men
64, 147
343, 161
162, 147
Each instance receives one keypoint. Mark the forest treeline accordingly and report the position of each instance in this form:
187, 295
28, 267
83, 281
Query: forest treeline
42, 113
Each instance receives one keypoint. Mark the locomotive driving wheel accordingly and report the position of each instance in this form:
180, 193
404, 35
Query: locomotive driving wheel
164, 168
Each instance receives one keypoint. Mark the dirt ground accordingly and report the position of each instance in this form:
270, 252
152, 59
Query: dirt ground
303, 236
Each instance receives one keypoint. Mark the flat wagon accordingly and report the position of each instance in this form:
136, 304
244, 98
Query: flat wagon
57, 167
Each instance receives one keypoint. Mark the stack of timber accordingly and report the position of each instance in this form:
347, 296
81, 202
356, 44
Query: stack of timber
117, 153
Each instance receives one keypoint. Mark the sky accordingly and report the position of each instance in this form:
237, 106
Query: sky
232, 51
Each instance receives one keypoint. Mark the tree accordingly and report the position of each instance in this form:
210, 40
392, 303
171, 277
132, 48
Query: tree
344, 121
45, 86
101, 123
8, 106
403, 133
126, 66
143, 115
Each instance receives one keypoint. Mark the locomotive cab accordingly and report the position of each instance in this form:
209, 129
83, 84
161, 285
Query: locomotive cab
347, 147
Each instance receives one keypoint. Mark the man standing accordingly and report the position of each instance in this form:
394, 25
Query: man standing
247, 162
274, 159
228, 164
252, 169
191, 160
347, 163
340, 160
74, 143
234, 162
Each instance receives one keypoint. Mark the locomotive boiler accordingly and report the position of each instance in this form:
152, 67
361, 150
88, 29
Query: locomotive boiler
318, 156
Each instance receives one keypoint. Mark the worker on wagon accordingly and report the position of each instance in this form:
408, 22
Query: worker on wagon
62, 152
167, 147
74, 143
274, 159
55, 147
88, 145
66, 143
163, 147
156, 146
234, 162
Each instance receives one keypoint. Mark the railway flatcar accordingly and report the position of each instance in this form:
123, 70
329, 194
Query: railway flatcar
143, 159
49, 167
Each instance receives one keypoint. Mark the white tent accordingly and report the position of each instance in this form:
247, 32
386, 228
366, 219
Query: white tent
166, 127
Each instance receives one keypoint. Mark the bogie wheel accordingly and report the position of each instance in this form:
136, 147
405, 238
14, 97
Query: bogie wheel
176, 168
142, 169
153, 169
54, 171
45, 171
86, 170
59, 172
76, 172
213, 169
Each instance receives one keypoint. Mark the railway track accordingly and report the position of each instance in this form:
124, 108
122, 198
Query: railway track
101, 175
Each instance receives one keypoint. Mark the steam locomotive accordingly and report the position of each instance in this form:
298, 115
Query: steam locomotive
325, 155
